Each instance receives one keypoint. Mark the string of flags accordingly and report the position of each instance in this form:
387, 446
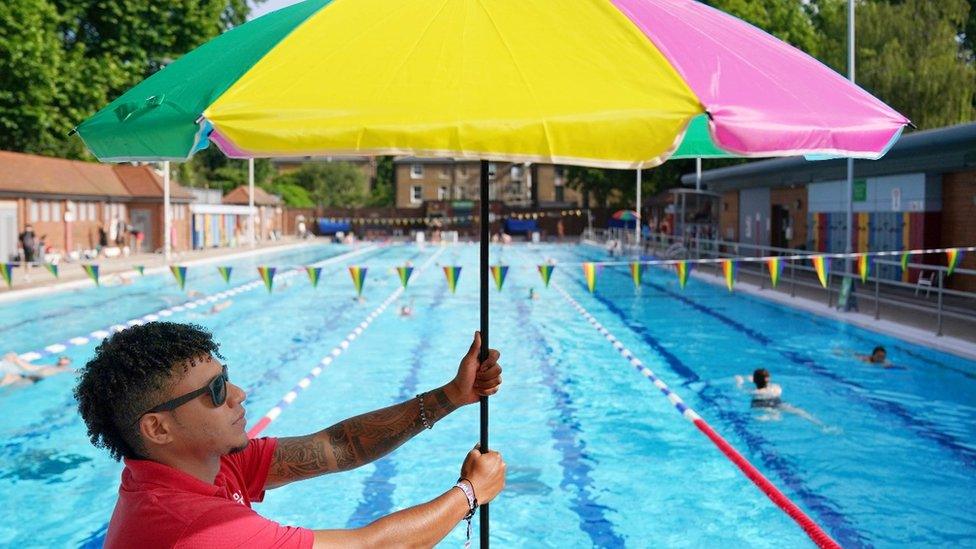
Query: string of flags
821, 264
453, 219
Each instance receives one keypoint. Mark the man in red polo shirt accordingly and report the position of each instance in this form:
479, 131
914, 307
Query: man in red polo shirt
156, 396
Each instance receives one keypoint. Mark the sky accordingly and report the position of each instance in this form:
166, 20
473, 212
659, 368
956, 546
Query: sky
269, 6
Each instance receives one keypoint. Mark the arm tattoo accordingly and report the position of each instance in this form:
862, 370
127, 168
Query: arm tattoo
355, 441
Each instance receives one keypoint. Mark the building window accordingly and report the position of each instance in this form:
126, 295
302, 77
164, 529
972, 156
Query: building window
416, 194
517, 188
56, 211
445, 172
464, 170
492, 168
416, 171
458, 193
517, 171
91, 212
442, 193
45, 210
560, 193
34, 215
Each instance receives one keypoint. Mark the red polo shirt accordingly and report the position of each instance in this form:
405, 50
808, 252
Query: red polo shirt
160, 506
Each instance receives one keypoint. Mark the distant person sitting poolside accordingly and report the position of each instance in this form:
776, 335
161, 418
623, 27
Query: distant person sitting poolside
17, 371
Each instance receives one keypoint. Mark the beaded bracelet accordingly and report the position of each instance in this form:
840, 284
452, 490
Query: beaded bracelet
423, 412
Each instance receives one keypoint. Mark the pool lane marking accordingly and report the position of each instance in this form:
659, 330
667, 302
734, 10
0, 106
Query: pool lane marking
812, 529
167, 312
303, 383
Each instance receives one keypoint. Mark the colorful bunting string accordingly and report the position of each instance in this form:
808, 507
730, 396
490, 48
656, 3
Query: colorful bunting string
904, 262
7, 272
728, 269
404, 273
314, 273
358, 275
635, 273
141, 269
953, 256
682, 268
775, 267
499, 272
92, 271
863, 267
267, 276
821, 264
225, 273
545, 271
589, 272
179, 273
53, 269
452, 274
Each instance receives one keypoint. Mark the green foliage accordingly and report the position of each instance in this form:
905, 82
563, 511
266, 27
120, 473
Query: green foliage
909, 54
329, 184
293, 194
383, 193
62, 60
788, 20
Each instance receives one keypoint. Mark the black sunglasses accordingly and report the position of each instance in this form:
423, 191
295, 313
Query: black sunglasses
217, 389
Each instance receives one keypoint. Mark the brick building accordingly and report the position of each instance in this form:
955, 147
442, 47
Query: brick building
68, 201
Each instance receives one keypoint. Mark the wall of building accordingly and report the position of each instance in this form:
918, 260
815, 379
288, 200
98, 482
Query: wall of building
794, 202
959, 223
754, 216
729, 216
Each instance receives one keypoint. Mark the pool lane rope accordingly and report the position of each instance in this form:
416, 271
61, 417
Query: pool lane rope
812, 529
303, 383
99, 335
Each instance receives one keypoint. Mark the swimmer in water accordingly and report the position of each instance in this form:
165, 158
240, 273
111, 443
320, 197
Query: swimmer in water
768, 396
407, 309
878, 356
532, 294
218, 307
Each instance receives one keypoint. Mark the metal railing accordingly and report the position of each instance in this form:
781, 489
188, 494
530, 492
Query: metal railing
948, 303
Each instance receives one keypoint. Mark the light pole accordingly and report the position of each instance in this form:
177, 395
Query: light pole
849, 242
167, 215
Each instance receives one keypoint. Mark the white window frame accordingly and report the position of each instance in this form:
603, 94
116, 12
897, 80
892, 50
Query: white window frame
45, 210
492, 170
416, 171
442, 193
517, 172
416, 194
35, 214
56, 211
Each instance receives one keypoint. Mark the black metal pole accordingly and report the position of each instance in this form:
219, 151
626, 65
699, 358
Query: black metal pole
485, 241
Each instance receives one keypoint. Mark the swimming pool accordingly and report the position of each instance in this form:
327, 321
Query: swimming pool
596, 455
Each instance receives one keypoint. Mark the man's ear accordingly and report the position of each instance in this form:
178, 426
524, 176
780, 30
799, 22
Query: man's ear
156, 429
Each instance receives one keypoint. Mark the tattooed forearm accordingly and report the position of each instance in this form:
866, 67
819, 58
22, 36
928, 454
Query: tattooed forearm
355, 441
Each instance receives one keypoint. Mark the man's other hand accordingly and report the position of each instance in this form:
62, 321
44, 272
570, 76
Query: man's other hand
474, 380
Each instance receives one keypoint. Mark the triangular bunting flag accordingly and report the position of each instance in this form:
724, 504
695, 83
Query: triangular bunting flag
545, 271
179, 273
314, 273
635, 273
864, 267
499, 272
92, 271
453, 274
821, 265
225, 273
7, 272
953, 256
904, 261
589, 272
682, 268
775, 267
267, 276
358, 275
141, 269
404, 273
53, 269
728, 269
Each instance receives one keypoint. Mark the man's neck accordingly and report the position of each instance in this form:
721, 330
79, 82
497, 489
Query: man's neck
205, 469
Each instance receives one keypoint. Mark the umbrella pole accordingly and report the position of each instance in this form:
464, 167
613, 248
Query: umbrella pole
485, 241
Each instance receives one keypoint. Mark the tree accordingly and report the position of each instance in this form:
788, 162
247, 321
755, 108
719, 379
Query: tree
330, 184
382, 195
788, 20
62, 60
909, 53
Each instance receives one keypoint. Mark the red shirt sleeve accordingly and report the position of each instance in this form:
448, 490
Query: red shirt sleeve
234, 525
249, 469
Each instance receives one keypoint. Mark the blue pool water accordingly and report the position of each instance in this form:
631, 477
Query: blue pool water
597, 457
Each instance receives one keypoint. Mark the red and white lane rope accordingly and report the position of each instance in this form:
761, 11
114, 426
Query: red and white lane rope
303, 383
812, 529
99, 335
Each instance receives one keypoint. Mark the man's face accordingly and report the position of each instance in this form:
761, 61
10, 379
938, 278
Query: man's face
879, 356
200, 427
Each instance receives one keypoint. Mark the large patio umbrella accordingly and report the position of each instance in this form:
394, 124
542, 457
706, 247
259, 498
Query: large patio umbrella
605, 83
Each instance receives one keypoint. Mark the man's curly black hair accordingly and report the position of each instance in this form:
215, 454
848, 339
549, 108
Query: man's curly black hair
130, 373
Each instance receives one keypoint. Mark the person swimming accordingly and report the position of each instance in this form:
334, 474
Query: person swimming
17, 371
768, 396
879, 356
